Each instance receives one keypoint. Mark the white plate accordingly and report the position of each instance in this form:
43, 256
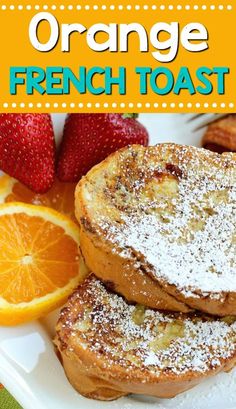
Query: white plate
30, 370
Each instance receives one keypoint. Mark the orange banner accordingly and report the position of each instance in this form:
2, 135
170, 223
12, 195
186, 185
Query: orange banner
117, 56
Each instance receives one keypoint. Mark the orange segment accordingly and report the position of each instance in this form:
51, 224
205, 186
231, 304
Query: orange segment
40, 262
60, 197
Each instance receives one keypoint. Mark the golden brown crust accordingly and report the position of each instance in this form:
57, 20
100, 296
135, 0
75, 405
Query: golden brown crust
221, 135
120, 276
110, 349
132, 275
88, 383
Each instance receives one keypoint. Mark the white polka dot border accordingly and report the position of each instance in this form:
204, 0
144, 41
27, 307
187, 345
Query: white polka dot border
112, 7
113, 105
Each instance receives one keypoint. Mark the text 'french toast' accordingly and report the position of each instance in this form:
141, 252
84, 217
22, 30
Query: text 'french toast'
158, 225
110, 348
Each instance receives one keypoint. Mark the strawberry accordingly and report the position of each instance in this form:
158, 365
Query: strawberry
27, 149
90, 138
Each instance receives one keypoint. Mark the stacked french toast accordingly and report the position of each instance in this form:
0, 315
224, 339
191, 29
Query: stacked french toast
157, 313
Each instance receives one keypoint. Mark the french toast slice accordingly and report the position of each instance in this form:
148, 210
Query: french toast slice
220, 136
109, 348
158, 225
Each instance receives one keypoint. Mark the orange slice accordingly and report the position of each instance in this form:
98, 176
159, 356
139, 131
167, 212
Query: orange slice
60, 197
40, 262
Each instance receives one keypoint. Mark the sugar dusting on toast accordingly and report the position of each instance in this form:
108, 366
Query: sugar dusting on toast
180, 224
135, 337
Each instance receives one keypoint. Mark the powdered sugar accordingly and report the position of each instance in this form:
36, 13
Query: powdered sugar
157, 342
187, 238
151, 359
